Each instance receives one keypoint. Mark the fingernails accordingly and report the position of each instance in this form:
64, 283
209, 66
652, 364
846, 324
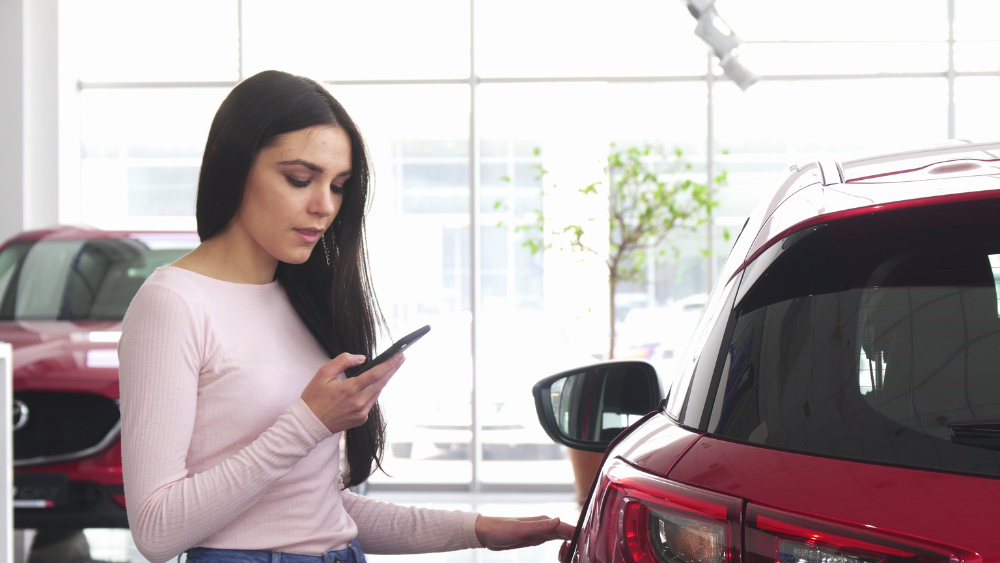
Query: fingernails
554, 521
358, 358
399, 357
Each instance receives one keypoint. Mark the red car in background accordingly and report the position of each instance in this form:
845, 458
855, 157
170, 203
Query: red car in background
840, 399
63, 294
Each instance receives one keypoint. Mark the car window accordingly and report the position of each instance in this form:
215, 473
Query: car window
691, 382
882, 348
89, 279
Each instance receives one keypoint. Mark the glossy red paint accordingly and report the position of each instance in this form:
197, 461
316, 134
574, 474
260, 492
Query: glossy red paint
104, 468
893, 514
61, 356
118, 499
653, 446
766, 527
656, 445
932, 203
885, 501
634, 498
802, 200
75, 357
53, 356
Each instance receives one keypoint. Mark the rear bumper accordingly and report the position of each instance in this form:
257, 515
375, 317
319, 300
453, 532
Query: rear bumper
88, 505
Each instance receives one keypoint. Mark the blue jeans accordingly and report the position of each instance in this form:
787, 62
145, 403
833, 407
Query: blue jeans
350, 554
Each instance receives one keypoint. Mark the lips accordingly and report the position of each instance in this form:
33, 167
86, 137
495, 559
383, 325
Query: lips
309, 235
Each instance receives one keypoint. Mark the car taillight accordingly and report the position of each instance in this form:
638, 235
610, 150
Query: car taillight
777, 537
637, 517
648, 519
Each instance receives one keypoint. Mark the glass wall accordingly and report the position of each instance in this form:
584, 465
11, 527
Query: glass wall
464, 104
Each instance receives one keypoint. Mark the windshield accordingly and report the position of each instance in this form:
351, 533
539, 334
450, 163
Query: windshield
881, 347
80, 280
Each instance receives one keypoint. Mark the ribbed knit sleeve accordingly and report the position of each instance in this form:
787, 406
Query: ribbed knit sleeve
161, 353
390, 529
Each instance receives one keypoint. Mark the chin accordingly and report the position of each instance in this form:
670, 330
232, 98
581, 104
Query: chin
297, 256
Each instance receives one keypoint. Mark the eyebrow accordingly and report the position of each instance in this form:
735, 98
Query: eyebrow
313, 167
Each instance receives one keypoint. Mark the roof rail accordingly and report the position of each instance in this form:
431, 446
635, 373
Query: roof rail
830, 172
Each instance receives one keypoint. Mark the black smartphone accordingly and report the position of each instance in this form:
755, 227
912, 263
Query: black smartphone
400, 345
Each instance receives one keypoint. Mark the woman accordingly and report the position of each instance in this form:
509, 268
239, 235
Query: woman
232, 408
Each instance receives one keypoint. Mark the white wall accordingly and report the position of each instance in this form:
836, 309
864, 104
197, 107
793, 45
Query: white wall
29, 115
6, 455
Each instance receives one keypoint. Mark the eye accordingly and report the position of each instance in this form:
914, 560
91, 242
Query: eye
337, 189
296, 182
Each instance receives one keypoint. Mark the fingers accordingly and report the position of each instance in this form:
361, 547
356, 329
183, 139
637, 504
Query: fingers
545, 527
534, 518
377, 377
565, 530
342, 405
513, 533
336, 366
551, 529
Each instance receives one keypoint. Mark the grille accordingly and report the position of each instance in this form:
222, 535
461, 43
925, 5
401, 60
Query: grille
62, 424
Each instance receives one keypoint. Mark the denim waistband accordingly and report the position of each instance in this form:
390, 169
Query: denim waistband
350, 554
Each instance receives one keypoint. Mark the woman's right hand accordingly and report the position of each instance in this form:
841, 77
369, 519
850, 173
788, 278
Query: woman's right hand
341, 405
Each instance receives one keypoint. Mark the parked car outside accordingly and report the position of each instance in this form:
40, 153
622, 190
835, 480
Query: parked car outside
432, 399
63, 294
660, 335
840, 401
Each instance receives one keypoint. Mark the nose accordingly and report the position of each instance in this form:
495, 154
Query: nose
324, 203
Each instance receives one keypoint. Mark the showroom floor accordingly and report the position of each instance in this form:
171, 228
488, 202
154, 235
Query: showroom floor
116, 545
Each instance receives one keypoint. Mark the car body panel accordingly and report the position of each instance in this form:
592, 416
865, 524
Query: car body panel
63, 356
652, 444
656, 445
911, 506
817, 203
895, 164
803, 200
77, 357
105, 468
959, 510
76, 233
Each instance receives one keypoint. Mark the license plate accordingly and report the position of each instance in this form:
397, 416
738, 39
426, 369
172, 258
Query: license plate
39, 490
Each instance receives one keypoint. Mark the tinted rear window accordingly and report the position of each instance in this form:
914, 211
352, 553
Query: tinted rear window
77, 280
876, 347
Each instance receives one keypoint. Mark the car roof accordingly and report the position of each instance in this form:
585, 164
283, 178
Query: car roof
86, 232
825, 190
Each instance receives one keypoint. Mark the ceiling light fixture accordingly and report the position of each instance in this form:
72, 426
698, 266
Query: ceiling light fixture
723, 41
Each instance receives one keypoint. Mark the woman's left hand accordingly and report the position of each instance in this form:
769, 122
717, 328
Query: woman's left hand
498, 534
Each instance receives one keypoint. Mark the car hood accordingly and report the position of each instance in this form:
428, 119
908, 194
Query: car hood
64, 356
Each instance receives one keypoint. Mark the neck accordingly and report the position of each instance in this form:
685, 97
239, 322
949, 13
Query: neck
234, 256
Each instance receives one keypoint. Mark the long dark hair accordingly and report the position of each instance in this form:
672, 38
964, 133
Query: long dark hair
336, 302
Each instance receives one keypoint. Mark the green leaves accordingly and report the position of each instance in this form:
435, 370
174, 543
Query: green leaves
651, 193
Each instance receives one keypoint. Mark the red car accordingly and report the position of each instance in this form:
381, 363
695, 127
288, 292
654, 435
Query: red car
63, 294
840, 399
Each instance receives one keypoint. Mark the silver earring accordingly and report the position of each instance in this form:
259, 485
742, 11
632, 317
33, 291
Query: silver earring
326, 250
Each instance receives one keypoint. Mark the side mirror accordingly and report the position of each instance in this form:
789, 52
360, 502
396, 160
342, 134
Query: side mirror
587, 408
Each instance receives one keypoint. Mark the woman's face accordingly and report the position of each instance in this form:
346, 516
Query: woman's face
294, 191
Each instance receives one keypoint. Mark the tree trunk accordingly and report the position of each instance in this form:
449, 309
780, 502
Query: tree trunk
612, 282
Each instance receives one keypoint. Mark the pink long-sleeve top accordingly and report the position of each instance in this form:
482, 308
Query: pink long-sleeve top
218, 448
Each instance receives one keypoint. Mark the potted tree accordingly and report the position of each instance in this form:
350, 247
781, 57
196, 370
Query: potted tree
651, 194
